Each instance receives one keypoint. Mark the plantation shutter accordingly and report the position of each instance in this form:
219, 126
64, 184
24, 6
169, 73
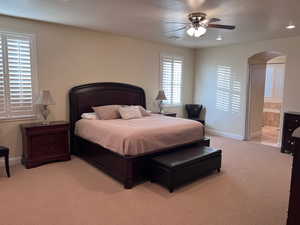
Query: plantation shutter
2, 87
228, 95
17, 85
171, 78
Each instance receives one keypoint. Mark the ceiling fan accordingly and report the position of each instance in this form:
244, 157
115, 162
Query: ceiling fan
199, 23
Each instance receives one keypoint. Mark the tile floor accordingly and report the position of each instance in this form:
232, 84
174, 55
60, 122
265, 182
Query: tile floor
270, 136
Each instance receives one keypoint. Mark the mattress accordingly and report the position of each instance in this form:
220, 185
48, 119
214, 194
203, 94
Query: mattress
140, 136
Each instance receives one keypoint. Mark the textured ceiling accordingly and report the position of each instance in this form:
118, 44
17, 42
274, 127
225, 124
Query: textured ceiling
146, 19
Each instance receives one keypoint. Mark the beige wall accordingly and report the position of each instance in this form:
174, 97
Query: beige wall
69, 56
237, 56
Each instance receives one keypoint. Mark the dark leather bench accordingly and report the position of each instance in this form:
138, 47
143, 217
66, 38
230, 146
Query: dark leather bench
176, 168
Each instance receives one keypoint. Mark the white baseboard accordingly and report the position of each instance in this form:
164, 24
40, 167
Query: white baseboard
12, 161
224, 134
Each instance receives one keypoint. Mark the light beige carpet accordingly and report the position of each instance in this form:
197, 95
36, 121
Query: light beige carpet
252, 189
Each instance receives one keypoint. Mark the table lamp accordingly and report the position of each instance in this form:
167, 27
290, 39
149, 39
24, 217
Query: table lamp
44, 100
160, 97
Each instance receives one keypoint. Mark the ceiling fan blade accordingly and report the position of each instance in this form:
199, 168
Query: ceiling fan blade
228, 27
213, 20
179, 29
173, 22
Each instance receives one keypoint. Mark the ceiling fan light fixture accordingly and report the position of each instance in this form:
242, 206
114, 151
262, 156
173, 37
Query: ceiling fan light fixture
199, 23
200, 31
290, 26
196, 32
191, 31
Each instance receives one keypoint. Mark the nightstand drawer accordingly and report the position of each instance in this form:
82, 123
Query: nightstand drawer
49, 145
44, 130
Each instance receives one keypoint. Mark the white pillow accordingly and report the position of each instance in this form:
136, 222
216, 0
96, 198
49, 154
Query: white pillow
130, 112
89, 116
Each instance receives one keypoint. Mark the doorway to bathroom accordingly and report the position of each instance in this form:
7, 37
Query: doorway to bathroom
266, 84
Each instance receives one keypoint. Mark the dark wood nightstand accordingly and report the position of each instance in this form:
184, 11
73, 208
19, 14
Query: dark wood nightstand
45, 143
167, 114
170, 114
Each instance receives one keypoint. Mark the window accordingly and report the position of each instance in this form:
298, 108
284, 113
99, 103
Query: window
16, 76
171, 78
228, 96
269, 82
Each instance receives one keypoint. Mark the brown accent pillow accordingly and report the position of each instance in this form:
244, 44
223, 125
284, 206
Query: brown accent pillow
107, 112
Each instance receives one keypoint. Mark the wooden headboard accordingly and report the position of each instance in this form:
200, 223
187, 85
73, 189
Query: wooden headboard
83, 97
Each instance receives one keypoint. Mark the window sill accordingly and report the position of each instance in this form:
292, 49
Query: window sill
16, 119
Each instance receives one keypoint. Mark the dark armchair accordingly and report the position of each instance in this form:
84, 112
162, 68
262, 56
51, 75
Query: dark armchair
193, 111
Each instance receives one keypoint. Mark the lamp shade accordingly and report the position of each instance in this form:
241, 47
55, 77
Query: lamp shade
161, 95
45, 98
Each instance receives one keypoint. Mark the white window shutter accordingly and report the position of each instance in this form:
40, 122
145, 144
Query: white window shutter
171, 78
228, 96
2, 85
17, 76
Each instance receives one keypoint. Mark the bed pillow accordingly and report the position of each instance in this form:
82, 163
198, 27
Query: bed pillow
144, 112
89, 116
107, 112
130, 112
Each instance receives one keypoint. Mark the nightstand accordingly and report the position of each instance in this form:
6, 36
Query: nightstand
45, 143
166, 113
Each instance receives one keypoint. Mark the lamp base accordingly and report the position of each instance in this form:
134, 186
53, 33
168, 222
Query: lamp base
45, 122
161, 110
45, 113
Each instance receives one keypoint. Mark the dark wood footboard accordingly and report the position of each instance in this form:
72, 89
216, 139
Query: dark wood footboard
129, 170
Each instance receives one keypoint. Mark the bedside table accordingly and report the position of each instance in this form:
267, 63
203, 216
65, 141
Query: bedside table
45, 143
166, 113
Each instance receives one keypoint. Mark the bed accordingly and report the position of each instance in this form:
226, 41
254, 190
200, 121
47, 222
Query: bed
128, 166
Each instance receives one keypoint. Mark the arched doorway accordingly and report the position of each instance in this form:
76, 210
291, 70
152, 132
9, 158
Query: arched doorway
265, 98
